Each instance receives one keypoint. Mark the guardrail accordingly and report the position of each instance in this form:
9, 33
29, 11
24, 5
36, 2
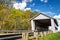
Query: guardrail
25, 34
16, 31
10, 36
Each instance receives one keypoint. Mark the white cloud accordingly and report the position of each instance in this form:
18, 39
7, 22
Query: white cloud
37, 10
58, 19
20, 6
27, 0
49, 13
27, 9
45, 1
57, 16
33, 4
42, 0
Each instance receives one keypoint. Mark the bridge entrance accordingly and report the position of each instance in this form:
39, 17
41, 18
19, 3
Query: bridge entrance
42, 24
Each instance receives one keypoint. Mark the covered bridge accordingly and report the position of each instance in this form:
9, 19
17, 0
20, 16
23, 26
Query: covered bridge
42, 22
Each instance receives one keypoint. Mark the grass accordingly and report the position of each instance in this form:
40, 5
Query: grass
52, 36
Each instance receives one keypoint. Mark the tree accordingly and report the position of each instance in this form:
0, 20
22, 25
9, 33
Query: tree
12, 19
4, 15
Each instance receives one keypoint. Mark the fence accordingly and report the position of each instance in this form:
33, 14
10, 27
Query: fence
25, 34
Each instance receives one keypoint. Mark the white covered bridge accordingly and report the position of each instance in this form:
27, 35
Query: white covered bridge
42, 22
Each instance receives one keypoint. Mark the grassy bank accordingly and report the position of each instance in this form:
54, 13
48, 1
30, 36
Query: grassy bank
52, 36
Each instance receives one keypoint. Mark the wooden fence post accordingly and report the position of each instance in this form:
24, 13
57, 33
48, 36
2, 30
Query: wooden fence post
36, 35
41, 34
25, 36
45, 33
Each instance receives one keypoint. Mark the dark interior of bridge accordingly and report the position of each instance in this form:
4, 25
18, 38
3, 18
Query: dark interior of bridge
42, 24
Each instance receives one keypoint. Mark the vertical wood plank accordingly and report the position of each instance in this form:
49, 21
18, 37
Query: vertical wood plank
25, 36
36, 35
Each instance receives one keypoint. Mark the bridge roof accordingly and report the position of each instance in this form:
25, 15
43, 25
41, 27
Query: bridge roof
46, 16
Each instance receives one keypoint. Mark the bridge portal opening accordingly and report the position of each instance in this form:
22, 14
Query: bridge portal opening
42, 24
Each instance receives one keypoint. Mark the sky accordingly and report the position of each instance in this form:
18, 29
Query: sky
48, 7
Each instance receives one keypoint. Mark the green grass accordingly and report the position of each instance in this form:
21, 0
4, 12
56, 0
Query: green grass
52, 36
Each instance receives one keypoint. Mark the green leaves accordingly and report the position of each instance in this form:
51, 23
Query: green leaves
12, 19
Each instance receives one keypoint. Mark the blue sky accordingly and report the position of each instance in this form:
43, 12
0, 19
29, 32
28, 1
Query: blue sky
52, 6
49, 7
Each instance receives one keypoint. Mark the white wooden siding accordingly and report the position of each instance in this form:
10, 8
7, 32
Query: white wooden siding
41, 17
